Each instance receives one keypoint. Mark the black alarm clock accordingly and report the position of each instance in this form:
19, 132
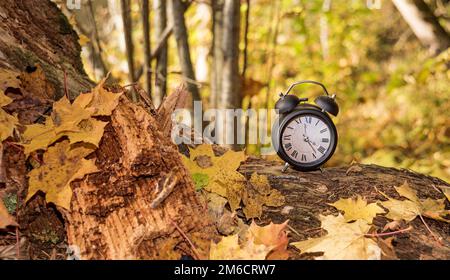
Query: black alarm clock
304, 135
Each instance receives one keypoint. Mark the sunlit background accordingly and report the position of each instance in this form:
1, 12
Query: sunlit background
394, 95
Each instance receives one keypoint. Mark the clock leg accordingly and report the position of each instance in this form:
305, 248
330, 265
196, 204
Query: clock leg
285, 167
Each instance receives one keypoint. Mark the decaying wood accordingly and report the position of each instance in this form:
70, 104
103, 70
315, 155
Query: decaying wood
111, 215
30, 36
126, 210
176, 100
307, 195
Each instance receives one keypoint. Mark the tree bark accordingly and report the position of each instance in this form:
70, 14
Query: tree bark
128, 33
217, 51
27, 40
184, 54
308, 195
424, 24
147, 47
231, 97
160, 23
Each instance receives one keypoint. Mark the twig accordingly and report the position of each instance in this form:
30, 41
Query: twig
294, 231
194, 249
65, 84
388, 233
429, 229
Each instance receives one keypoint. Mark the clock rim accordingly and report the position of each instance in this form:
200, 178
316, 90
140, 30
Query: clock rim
279, 132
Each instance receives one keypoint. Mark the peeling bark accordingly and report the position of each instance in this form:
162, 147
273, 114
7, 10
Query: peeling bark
30, 37
112, 215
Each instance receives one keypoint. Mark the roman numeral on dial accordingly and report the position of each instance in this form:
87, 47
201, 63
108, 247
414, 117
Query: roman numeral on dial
324, 130
288, 146
287, 137
321, 149
325, 140
303, 157
294, 154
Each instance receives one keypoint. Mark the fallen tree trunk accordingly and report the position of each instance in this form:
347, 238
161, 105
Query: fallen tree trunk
36, 32
308, 194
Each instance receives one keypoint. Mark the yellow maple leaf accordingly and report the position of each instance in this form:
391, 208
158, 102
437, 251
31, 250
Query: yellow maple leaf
100, 100
358, 208
344, 241
223, 179
7, 122
258, 193
64, 119
409, 209
8, 78
4, 100
5, 218
89, 131
61, 165
272, 235
229, 249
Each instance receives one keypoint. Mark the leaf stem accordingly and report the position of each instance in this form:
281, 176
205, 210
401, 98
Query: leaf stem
388, 233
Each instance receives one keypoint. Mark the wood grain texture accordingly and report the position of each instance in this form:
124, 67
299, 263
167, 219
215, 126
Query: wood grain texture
112, 217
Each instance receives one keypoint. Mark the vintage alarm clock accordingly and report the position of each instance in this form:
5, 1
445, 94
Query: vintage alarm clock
304, 135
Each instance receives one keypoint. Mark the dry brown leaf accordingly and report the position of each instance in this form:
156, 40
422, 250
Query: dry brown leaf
354, 168
344, 241
7, 121
61, 165
409, 209
34, 81
358, 208
229, 249
272, 235
387, 249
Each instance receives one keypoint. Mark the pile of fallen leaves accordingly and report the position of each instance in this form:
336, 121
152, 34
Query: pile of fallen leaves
350, 235
57, 148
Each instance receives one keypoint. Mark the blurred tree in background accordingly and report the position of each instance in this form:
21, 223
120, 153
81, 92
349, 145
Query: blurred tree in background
387, 61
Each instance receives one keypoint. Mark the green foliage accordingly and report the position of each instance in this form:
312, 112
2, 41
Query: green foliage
201, 180
10, 201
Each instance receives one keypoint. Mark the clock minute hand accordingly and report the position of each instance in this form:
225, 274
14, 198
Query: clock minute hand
311, 146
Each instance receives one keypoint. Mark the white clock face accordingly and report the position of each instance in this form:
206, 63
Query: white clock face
306, 139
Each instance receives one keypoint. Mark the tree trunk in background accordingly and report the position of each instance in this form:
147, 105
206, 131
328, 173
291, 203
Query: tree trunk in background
184, 54
30, 37
424, 24
147, 47
230, 97
128, 33
217, 63
160, 23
